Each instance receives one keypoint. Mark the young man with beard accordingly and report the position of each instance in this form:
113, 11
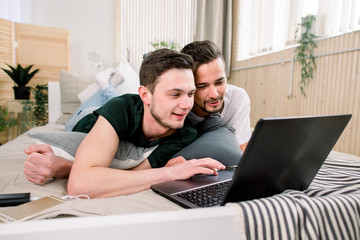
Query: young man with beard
154, 117
214, 95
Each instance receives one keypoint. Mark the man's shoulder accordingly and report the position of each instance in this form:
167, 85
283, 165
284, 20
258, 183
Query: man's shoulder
129, 97
235, 93
127, 104
130, 100
188, 132
235, 89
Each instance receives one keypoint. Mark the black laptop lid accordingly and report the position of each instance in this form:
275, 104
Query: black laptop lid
284, 153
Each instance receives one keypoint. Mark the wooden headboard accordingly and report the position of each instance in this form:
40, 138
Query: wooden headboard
46, 47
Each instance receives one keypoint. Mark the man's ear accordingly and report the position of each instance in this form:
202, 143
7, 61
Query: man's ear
145, 94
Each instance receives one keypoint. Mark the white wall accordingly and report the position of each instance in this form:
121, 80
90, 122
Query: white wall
91, 24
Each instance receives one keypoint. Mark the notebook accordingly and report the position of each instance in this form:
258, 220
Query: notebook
283, 153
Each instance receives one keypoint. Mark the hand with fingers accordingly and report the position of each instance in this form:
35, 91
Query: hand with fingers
42, 164
182, 169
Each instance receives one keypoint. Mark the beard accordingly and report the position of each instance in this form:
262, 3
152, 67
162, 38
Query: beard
162, 122
212, 110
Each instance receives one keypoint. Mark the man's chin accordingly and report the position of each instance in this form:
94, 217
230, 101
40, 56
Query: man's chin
178, 125
211, 110
175, 125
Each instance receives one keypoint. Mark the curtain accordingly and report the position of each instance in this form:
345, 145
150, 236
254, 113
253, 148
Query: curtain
11, 10
141, 22
336, 17
267, 25
214, 22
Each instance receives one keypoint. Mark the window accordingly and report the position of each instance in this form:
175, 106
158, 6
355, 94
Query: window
141, 22
267, 25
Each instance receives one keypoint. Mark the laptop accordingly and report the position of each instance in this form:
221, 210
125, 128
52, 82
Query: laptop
283, 153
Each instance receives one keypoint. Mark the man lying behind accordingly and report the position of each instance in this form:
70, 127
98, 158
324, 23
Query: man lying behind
154, 117
213, 94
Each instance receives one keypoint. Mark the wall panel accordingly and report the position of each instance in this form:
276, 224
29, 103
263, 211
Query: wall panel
45, 47
6, 56
272, 82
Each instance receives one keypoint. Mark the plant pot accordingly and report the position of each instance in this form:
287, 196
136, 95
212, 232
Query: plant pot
22, 92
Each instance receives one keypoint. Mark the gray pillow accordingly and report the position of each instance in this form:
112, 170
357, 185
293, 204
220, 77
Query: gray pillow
71, 84
127, 155
67, 141
216, 141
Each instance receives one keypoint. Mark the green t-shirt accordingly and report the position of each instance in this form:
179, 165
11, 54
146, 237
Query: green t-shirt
125, 114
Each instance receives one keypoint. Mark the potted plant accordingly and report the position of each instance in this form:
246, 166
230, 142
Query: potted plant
163, 44
21, 76
5, 120
35, 113
304, 53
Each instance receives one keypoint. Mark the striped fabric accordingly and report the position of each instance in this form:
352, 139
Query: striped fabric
328, 209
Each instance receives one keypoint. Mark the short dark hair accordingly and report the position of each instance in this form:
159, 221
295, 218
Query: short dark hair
160, 61
203, 52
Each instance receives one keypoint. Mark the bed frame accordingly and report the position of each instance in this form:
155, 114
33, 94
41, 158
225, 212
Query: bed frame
210, 223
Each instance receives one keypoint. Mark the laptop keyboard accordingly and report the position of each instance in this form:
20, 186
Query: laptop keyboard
207, 196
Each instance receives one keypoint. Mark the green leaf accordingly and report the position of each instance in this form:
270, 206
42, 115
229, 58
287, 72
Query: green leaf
21, 76
304, 52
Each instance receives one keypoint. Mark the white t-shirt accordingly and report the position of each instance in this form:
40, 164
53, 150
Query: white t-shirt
236, 113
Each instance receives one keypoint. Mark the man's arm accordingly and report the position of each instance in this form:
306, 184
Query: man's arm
237, 114
92, 176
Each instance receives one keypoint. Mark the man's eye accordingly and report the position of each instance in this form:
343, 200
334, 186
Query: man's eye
175, 94
200, 87
219, 83
191, 94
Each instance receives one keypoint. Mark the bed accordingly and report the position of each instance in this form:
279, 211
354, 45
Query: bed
328, 209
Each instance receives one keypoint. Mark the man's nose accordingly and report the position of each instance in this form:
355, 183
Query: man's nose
213, 93
187, 102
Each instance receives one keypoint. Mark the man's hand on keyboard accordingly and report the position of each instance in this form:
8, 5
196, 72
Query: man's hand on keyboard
179, 168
